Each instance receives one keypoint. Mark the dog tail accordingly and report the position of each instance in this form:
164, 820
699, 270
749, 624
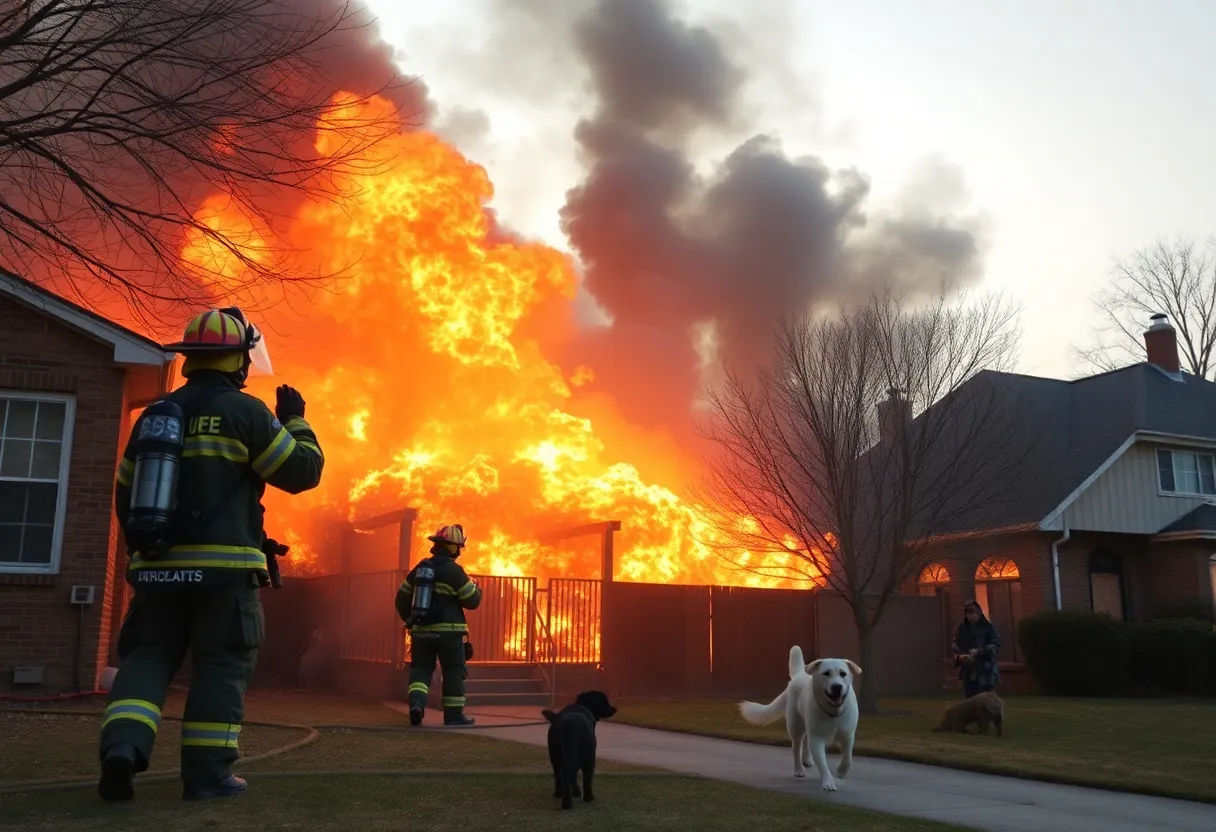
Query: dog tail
797, 663
549, 715
758, 714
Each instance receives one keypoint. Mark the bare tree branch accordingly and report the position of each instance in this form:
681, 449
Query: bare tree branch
853, 495
119, 117
1177, 278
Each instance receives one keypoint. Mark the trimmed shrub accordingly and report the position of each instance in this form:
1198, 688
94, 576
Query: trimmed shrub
1076, 653
1193, 609
1176, 655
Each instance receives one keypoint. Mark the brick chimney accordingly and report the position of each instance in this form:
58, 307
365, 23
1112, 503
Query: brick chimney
1161, 344
893, 412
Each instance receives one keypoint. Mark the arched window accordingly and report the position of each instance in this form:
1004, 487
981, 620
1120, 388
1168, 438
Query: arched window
931, 577
997, 569
1106, 583
998, 590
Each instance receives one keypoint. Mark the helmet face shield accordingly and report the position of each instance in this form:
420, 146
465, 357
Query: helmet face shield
259, 356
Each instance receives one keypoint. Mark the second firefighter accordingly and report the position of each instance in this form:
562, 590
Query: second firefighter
432, 601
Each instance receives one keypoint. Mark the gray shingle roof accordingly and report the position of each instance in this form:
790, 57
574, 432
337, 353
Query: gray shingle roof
1080, 423
1202, 518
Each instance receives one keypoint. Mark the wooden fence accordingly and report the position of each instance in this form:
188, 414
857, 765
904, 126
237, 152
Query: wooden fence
630, 639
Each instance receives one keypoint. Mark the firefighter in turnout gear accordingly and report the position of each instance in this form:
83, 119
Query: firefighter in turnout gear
431, 601
198, 553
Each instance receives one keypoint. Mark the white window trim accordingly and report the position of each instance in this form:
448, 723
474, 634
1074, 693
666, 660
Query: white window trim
1212, 577
1197, 452
65, 465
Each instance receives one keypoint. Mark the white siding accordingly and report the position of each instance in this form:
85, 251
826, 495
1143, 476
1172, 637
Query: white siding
1126, 497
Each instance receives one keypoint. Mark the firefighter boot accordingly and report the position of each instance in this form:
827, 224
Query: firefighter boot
230, 786
457, 716
416, 714
118, 773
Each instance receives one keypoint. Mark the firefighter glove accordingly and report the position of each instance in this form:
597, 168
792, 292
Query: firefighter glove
289, 403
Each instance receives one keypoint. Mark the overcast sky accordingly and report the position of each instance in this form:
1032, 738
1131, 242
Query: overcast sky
1081, 129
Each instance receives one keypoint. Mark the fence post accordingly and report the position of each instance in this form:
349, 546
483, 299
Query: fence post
530, 611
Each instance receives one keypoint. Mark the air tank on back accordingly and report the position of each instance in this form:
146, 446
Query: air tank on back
158, 447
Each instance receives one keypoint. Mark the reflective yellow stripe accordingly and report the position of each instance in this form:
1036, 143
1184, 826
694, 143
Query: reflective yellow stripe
444, 589
297, 423
453, 701
274, 456
203, 556
210, 734
216, 446
312, 446
467, 591
455, 627
136, 710
126, 470
420, 687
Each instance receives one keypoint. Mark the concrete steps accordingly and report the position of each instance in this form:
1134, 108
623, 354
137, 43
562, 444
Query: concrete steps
505, 684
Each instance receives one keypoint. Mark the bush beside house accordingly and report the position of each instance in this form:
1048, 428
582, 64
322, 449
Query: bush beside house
1092, 654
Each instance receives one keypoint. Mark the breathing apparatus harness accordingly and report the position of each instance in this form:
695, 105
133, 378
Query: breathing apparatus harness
156, 522
423, 609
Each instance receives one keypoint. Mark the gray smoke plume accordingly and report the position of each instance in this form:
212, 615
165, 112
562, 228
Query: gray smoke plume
666, 249
355, 59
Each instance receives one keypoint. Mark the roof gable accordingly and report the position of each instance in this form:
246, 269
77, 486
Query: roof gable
130, 349
1083, 426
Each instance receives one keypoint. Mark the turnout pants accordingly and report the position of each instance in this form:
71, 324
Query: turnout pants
448, 650
222, 626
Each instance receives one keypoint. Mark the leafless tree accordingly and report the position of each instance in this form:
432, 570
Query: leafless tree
1177, 278
118, 117
837, 475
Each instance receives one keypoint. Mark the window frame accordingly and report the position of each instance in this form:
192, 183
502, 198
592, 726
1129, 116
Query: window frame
1212, 578
1162, 491
68, 400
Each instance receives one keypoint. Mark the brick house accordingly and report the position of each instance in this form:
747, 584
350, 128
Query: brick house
1117, 514
69, 384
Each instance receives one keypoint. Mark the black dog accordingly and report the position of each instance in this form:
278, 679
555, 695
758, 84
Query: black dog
572, 744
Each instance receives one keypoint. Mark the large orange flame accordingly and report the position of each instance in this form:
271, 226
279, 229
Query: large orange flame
427, 385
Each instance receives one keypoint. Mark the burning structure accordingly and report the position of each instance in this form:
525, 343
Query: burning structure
446, 369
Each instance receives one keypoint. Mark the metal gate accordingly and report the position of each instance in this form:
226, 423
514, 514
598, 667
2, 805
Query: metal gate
503, 628
515, 622
573, 613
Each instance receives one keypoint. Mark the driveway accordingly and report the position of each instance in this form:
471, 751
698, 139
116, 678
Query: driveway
985, 801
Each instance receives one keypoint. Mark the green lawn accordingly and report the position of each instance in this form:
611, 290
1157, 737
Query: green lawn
502, 803
382, 777
1152, 746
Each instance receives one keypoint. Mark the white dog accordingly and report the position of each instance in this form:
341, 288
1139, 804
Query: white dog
819, 706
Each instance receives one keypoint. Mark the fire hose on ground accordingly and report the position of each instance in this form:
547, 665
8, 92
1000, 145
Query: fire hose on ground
55, 697
313, 732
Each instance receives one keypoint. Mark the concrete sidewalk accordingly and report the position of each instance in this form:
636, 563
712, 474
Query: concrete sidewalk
1000, 804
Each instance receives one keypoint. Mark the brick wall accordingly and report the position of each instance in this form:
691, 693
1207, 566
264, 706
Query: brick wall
37, 624
1031, 551
1152, 573
1177, 572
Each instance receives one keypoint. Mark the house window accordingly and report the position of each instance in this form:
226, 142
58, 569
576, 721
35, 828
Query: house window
998, 591
1186, 472
931, 577
35, 446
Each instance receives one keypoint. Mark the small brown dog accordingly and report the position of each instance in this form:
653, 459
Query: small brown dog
984, 708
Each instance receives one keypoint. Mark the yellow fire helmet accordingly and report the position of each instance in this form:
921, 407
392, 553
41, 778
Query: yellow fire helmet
224, 331
453, 534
